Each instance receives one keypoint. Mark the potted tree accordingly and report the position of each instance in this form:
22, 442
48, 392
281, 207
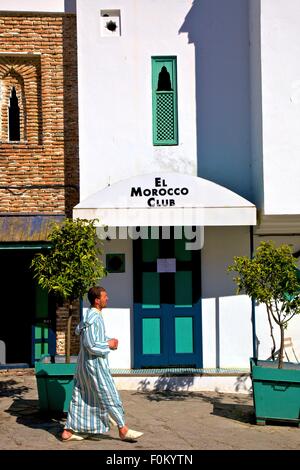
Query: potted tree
272, 279
67, 270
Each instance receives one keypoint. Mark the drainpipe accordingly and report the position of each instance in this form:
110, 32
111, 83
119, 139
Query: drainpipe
252, 299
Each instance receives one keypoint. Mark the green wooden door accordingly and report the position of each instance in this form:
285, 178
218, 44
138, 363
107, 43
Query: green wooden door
43, 336
167, 304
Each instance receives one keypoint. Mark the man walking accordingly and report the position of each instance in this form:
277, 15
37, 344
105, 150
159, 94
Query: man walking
95, 401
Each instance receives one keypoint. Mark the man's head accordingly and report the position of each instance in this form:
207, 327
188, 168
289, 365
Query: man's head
98, 297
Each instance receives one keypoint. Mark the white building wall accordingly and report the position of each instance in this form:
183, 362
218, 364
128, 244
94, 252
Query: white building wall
115, 91
280, 52
226, 317
118, 314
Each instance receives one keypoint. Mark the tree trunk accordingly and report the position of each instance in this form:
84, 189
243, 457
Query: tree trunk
280, 355
269, 311
68, 346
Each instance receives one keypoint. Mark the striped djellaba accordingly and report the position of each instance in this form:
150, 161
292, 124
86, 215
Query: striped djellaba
94, 395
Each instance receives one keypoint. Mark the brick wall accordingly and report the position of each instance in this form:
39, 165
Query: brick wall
62, 314
39, 174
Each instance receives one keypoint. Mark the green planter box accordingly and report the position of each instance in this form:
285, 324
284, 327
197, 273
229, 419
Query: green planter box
276, 392
55, 385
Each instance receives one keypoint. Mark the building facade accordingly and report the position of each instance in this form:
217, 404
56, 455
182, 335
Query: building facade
184, 316
223, 113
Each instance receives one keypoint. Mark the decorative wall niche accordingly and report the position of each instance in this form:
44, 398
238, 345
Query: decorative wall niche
110, 23
20, 99
115, 262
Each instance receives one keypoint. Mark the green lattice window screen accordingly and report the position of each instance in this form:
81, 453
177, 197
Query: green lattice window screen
164, 101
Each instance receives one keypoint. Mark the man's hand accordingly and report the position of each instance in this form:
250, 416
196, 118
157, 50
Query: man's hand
113, 343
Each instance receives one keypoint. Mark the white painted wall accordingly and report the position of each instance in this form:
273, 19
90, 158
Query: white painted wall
117, 325
218, 383
51, 6
226, 317
280, 50
115, 91
119, 286
118, 314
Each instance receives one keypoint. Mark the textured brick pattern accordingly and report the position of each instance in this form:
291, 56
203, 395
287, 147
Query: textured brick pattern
61, 328
40, 174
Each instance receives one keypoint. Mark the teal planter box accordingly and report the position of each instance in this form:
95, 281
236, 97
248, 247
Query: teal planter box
276, 392
55, 385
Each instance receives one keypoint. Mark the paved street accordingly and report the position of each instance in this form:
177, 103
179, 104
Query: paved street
170, 421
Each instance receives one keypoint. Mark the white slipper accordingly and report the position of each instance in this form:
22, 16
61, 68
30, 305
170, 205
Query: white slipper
132, 435
75, 437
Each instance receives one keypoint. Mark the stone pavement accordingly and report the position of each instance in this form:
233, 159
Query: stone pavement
170, 421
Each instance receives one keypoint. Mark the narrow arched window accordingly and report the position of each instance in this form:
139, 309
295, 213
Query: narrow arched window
14, 117
164, 80
164, 101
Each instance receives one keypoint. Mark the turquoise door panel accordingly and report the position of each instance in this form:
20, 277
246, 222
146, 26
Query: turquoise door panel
43, 335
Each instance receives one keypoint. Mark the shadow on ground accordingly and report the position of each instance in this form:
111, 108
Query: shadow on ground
176, 388
28, 414
243, 413
12, 388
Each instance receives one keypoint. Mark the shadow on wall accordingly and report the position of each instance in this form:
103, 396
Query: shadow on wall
70, 6
241, 384
220, 32
167, 387
71, 131
174, 387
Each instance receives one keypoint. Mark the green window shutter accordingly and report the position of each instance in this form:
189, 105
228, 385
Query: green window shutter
164, 101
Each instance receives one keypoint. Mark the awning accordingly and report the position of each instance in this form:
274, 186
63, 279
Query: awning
27, 228
281, 224
166, 199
